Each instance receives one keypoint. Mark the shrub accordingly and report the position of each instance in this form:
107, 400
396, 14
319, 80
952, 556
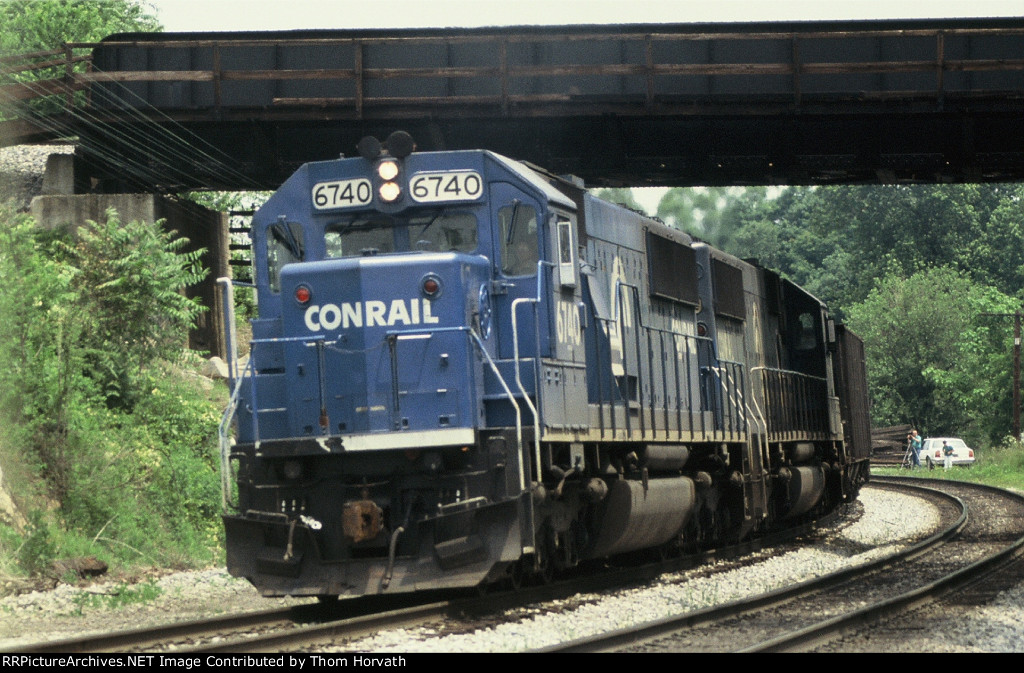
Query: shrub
98, 394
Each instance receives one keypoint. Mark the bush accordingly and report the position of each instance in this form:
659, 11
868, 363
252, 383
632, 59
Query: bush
100, 397
38, 550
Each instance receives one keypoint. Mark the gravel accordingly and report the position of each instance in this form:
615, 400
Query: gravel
998, 627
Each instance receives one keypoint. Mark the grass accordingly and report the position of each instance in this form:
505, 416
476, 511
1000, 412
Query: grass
1001, 466
118, 596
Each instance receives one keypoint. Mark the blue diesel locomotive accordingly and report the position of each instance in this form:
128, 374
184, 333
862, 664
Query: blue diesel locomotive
467, 370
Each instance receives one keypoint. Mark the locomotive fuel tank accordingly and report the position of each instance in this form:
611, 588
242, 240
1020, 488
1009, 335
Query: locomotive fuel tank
637, 515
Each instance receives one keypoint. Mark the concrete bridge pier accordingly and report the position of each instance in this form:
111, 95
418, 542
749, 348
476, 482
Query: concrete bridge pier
59, 206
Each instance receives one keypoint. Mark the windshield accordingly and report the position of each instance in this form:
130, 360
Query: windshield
955, 443
376, 233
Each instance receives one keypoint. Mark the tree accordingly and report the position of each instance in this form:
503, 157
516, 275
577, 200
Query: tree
703, 212
129, 277
122, 441
34, 26
932, 360
43, 25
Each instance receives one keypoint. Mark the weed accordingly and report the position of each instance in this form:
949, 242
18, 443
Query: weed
117, 597
38, 550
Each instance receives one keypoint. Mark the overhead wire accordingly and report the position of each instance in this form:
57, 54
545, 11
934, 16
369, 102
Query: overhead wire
171, 151
165, 150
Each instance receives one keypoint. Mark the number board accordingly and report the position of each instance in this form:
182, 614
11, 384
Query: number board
342, 194
432, 186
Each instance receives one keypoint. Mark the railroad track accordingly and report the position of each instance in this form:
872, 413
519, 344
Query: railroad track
313, 627
202, 634
300, 626
853, 603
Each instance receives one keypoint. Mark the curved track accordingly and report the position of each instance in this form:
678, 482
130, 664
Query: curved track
812, 614
348, 619
816, 612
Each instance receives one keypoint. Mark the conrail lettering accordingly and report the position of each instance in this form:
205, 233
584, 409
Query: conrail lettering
369, 314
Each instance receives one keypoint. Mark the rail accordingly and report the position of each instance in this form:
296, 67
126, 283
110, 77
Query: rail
657, 72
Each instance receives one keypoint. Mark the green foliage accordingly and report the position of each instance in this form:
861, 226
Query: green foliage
1001, 465
124, 441
621, 195
933, 361
118, 596
129, 277
237, 202
704, 212
37, 551
28, 26
42, 25
836, 241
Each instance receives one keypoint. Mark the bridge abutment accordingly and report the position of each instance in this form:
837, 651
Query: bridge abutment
58, 206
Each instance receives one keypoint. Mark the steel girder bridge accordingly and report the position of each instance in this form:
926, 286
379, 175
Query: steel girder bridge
670, 105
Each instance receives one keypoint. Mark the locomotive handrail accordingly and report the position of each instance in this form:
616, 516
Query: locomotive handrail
641, 325
764, 422
494, 368
322, 341
802, 387
516, 303
250, 370
225, 441
228, 311
515, 405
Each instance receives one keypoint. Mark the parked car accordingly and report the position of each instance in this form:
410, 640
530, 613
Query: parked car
931, 451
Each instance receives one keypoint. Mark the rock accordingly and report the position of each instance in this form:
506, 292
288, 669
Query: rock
215, 368
82, 566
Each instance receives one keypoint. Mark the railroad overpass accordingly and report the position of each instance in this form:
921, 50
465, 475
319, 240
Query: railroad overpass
671, 105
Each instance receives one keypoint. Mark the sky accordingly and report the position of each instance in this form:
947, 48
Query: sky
221, 15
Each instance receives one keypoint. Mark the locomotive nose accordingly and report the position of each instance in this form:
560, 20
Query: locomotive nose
382, 344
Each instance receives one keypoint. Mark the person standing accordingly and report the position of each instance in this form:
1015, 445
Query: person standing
914, 440
947, 455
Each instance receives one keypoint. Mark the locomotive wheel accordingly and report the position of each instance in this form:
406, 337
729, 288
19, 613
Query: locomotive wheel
516, 575
544, 566
545, 569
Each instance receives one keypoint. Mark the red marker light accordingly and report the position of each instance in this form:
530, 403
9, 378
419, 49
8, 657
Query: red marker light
431, 286
302, 294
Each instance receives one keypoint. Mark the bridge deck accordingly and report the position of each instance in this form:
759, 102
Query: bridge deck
670, 105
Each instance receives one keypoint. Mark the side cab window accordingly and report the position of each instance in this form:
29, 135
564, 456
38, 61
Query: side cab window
519, 250
284, 246
566, 245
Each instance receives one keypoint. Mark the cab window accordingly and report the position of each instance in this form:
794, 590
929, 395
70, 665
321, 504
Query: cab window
808, 332
519, 243
284, 246
377, 234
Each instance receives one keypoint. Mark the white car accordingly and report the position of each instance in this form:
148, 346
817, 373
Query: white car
931, 451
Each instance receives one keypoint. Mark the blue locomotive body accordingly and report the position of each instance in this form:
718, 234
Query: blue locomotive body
467, 370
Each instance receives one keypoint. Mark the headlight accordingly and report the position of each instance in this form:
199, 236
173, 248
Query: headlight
387, 170
390, 191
